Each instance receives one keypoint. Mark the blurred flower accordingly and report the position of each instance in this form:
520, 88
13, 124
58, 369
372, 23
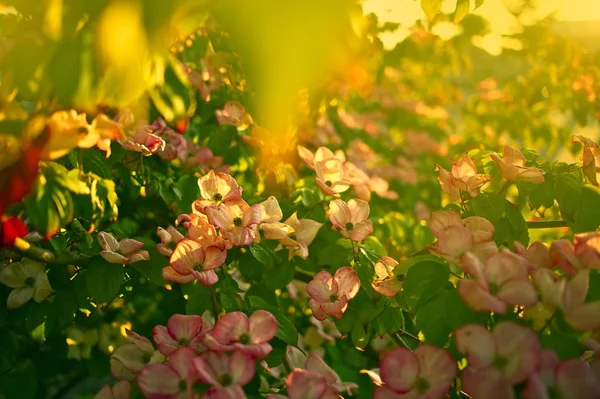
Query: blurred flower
143, 140
330, 294
571, 379
583, 253
28, 279
537, 254
236, 224
175, 145
497, 360
512, 167
233, 113
350, 219
191, 261
121, 390
330, 177
500, 280
426, 373
456, 236
11, 228
303, 235
174, 380
271, 216
181, 331
130, 358
226, 373
80, 342
216, 189
321, 155
590, 158
124, 252
307, 384
387, 282
168, 240
463, 177
419, 143
250, 335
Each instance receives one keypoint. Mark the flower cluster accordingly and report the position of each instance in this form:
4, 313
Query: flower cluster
193, 357
221, 220
335, 174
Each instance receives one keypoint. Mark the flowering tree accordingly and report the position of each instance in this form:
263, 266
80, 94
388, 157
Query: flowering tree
376, 230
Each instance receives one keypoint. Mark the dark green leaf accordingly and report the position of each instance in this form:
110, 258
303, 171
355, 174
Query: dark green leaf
424, 281
198, 300
359, 336
489, 206
430, 323
103, 280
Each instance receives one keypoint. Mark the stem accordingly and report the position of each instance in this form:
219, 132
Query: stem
303, 276
503, 188
546, 224
547, 323
354, 254
45, 256
80, 163
399, 341
215, 304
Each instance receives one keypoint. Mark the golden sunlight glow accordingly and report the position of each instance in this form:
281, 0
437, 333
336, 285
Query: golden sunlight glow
495, 11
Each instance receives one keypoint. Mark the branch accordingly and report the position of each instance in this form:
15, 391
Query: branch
546, 224
303, 276
45, 256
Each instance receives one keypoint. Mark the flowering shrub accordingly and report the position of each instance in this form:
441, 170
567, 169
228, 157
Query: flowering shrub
369, 223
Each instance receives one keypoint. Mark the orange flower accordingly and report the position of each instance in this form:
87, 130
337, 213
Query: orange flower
463, 177
512, 167
591, 155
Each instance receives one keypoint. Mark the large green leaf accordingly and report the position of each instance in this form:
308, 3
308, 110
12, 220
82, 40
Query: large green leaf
489, 206
423, 282
103, 280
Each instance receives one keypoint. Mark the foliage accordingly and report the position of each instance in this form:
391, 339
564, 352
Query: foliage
303, 215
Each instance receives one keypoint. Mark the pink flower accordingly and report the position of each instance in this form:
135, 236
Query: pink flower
130, 358
571, 379
351, 219
271, 216
201, 231
168, 240
216, 189
387, 282
123, 252
233, 113
176, 145
512, 167
537, 254
579, 314
191, 261
250, 335
463, 177
583, 254
330, 177
330, 294
308, 384
322, 154
502, 280
426, 373
181, 330
303, 235
236, 224
225, 373
497, 360
315, 362
174, 380
456, 236
121, 390
143, 140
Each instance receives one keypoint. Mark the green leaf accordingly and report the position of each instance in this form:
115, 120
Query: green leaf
40, 320
568, 193
20, 382
390, 320
310, 198
519, 231
430, 323
407, 263
277, 355
280, 275
543, 194
489, 206
431, 8
456, 313
359, 336
198, 300
348, 320
594, 290
587, 215
231, 301
262, 255
103, 280
478, 3
424, 281
286, 331
250, 267
461, 11
373, 244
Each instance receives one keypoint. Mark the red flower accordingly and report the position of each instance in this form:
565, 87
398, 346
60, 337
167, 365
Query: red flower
11, 228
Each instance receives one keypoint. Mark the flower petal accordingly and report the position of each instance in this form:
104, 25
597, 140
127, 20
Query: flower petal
477, 343
399, 369
262, 326
348, 282
230, 327
158, 380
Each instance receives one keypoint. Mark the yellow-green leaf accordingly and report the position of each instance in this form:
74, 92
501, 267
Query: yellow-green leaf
461, 11
431, 8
